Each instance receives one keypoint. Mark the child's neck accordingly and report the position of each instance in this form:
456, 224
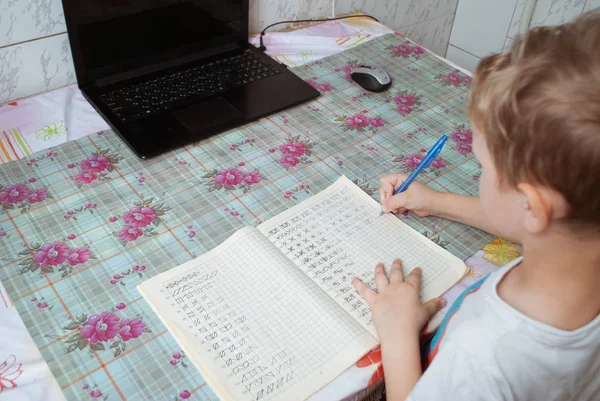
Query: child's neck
557, 282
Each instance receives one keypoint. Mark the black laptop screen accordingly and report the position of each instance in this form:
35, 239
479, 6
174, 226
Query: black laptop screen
113, 35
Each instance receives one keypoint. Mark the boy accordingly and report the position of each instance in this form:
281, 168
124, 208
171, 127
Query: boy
531, 330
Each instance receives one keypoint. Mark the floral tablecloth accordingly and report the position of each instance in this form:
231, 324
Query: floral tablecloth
85, 222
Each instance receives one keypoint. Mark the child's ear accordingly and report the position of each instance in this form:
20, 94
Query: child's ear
541, 206
536, 213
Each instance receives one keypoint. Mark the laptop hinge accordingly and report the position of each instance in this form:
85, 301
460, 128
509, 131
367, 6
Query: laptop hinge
134, 73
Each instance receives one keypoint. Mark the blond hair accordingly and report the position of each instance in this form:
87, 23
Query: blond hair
538, 107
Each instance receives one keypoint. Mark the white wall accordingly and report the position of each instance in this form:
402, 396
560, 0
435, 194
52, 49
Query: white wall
428, 22
35, 56
483, 27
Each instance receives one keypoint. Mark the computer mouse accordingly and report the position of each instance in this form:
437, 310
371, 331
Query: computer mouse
373, 79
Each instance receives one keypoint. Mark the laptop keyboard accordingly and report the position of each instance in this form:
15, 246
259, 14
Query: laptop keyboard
153, 96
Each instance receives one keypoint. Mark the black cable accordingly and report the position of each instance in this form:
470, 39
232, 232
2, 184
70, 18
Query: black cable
263, 48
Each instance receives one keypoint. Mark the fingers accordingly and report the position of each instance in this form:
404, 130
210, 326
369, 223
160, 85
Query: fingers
396, 202
434, 306
380, 277
367, 293
396, 272
388, 184
414, 278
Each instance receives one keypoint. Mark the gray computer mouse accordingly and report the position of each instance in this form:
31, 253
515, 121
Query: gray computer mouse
373, 79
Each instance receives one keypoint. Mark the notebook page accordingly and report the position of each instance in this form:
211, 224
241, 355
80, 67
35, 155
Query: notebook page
253, 324
338, 234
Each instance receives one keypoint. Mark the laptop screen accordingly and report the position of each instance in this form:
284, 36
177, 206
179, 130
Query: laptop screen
110, 36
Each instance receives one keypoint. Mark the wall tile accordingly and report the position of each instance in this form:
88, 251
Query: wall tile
266, 12
22, 20
592, 5
462, 58
480, 26
432, 34
396, 14
35, 67
548, 12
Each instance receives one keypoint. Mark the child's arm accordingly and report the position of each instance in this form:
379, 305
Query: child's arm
424, 201
399, 316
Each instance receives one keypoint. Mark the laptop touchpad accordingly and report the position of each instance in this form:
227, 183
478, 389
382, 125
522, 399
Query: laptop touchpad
207, 114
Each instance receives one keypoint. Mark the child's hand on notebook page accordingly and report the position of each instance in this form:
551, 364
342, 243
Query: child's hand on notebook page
418, 198
396, 306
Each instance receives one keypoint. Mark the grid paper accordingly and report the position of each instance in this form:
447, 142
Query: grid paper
339, 234
262, 322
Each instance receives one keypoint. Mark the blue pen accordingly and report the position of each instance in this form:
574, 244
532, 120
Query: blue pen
426, 162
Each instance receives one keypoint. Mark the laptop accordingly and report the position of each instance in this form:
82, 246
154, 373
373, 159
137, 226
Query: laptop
167, 73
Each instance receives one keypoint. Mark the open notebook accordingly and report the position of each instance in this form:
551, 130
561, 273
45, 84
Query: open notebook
271, 313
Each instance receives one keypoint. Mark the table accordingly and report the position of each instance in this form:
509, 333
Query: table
92, 228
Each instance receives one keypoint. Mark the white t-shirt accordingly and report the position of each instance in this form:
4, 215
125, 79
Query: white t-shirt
487, 350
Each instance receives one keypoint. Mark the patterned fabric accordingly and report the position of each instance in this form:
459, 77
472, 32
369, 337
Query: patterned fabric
83, 223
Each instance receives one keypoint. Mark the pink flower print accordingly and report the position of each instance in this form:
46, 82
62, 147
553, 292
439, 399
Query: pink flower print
131, 328
358, 121
234, 213
475, 177
85, 386
403, 109
42, 305
37, 195
403, 50
71, 165
406, 100
117, 277
113, 282
33, 299
95, 164
141, 179
241, 164
467, 79
192, 234
463, 148
51, 254
139, 217
418, 50
85, 177
325, 87
376, 122
438, 162
102, 327
272, 150
113, 219
185, 394
462, 136
177, 355
289, 161
173, 362
454, 78
340, 163
32, 180
96, 393
78, 256
130, 233
2, 233
121, 306
142, 268
252, 177
71, 237
293, 149
135, 268
413, 160
228, 177
14, 194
